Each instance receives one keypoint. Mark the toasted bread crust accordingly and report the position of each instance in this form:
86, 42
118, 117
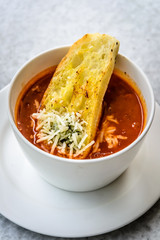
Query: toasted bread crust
81, 80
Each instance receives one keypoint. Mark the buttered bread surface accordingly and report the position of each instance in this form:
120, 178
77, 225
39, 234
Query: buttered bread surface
81, 79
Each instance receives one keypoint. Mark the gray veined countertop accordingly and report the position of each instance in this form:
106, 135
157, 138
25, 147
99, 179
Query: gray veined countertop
30, 27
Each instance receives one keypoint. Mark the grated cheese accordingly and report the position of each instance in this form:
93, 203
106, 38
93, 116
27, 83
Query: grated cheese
107, 134
66, 132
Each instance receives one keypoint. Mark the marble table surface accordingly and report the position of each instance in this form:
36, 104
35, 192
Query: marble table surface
29, 27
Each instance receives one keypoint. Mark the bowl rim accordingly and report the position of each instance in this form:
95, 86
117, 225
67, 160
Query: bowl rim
82, 161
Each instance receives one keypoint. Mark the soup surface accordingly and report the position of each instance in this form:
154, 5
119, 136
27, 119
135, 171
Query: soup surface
121, 123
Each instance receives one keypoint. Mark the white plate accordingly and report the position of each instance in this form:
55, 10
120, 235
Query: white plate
29, 201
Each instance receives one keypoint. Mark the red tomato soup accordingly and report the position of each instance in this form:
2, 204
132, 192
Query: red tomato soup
122, 121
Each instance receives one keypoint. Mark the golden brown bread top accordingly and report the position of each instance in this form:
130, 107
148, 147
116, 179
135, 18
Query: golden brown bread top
81, 79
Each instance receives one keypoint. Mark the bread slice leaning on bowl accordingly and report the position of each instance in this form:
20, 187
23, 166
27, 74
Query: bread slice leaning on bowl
79, 84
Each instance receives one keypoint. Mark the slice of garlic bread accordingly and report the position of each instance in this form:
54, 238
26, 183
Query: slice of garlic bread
78, 87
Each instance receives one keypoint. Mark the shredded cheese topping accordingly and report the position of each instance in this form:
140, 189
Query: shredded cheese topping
107, 134
66, 132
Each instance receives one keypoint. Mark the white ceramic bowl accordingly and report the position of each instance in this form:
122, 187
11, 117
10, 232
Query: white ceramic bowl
78, 175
